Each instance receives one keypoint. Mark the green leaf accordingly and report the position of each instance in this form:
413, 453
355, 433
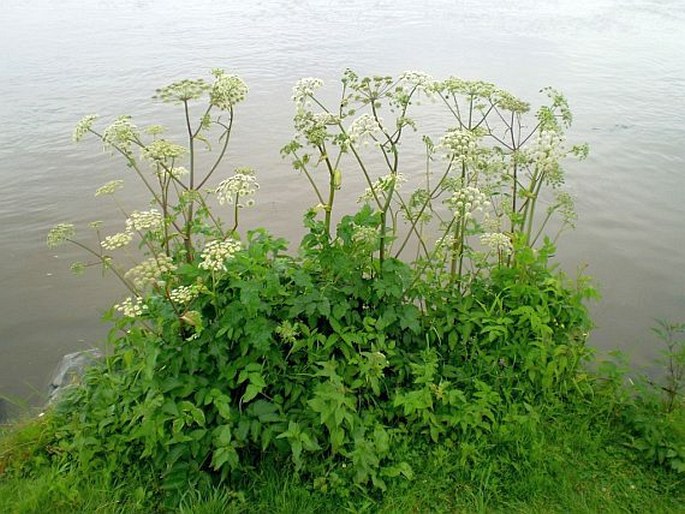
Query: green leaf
225, 455
223, 436
251, 391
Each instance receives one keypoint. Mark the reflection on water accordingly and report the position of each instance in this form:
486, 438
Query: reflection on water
619, 63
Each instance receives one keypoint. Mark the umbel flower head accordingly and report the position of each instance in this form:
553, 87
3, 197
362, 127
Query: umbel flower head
217, 252
131, 307
364, 125
83, 126
467, 200
60, 233
161, 151
304, 89
227, 90
183, 295
459, 144
497, 242
183, 91
115, 241
419, 79
242, 184
151, 271
144, 220
121, 133
109, 188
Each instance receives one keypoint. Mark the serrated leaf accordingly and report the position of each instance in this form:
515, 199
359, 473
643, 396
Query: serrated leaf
251, 391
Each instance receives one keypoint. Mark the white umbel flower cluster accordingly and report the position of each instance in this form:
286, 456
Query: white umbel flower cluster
546, 153
183, 295
121, 134
304, 89
150, 271
131, 307
109, 188
241, 185
497, 242
144, 220
466, 201
161, 151
382, 185
459, 144
365, 126
115, 241
217, 252
419, 79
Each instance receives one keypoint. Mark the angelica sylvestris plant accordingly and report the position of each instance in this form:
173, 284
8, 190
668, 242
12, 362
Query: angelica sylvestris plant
484, 178
430, 312
180, 226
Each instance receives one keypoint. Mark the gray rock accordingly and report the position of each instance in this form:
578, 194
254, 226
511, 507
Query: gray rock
70, 371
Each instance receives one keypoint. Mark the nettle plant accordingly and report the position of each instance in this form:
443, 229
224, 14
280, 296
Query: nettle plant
230, 349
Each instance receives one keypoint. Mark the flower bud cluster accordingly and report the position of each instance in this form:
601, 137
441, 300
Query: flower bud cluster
183, 91
131, 308
467, 200
109, 188
364, 125
151, 271
115, 241
497, 242
217, 252
60, 233
509, 102
227, 90
242, 184
161, 151
470, 88
144, 220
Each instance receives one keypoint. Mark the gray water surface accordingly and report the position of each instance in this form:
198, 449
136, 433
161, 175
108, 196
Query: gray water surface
620, 63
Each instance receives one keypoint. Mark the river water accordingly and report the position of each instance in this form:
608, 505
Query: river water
620, 63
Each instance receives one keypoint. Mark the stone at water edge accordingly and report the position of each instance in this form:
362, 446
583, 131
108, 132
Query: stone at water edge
70, 370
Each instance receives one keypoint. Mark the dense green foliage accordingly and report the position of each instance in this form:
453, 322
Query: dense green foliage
344, 361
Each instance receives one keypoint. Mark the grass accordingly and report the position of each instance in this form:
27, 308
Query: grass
575, 462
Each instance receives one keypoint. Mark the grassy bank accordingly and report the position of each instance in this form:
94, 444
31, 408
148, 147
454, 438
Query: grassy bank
578, 458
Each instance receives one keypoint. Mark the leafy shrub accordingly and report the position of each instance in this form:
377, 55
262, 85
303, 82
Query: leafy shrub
230, 348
